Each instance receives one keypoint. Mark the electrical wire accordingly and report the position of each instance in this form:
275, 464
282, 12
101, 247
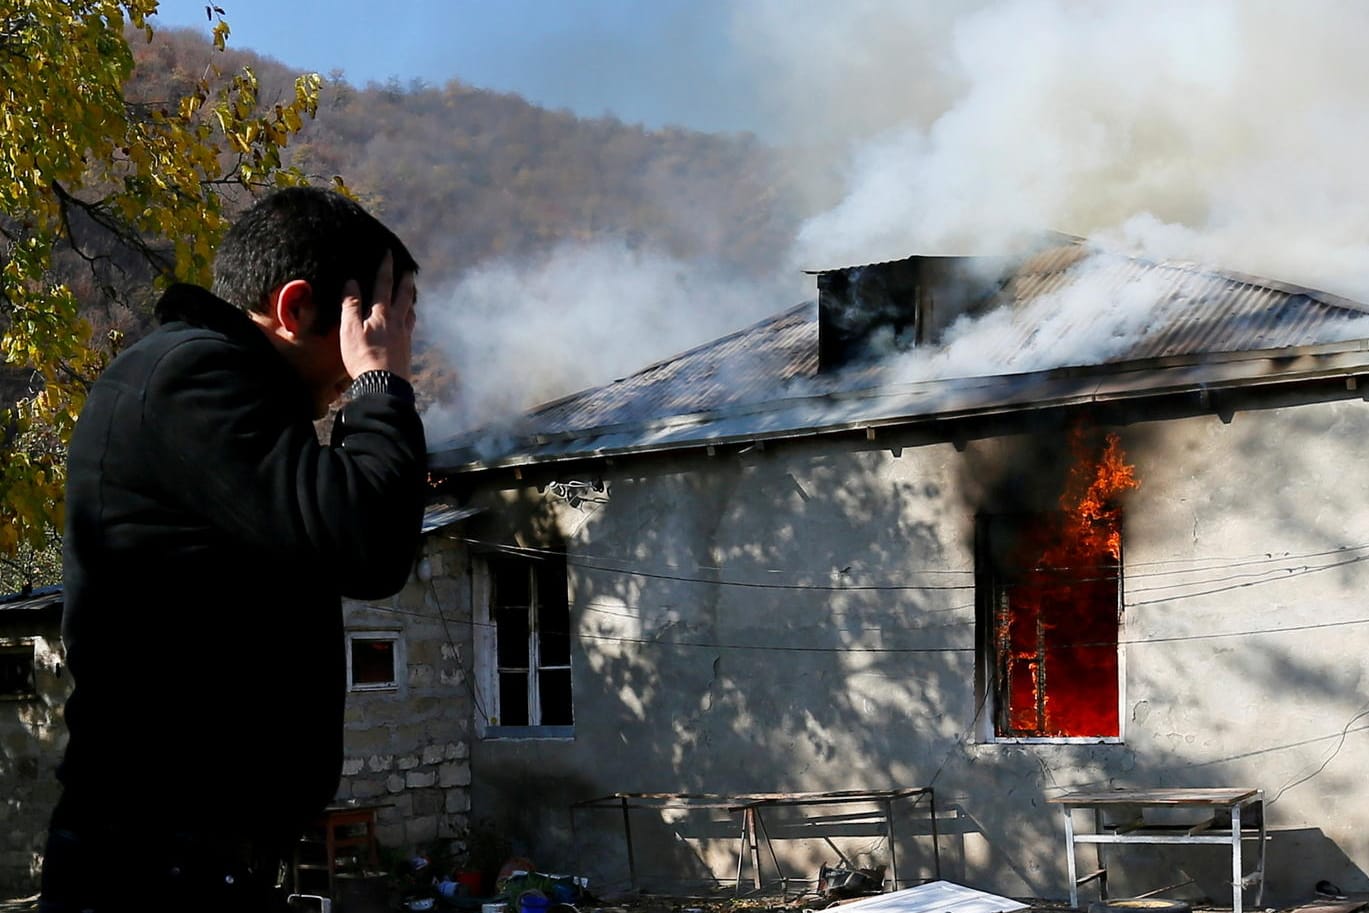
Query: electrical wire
466, 675
856, 649
1286, 564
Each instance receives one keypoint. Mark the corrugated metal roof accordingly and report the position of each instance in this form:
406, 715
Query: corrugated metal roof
437, 516
763, 381
35, 601
1189, 310
747, 366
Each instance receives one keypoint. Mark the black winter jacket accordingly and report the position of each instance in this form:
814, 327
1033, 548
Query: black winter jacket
209, 538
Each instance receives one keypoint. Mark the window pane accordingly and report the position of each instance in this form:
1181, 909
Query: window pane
553, 614
553, 635
511, 634
511, 582
16, 671
1081, 661
513, 699
1055, 630
373, 662
554, 691
551, 584
554, 648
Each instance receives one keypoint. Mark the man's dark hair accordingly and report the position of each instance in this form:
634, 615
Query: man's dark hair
306, 233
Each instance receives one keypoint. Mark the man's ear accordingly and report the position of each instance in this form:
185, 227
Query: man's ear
292, 307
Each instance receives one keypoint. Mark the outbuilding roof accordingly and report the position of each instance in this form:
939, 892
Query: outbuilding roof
36, 600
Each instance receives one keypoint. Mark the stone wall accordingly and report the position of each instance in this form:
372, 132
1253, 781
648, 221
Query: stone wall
408, 749
32, 738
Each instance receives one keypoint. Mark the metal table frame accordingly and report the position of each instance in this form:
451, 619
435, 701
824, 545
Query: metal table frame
750, 806
628, 801
1224, 827
753, 823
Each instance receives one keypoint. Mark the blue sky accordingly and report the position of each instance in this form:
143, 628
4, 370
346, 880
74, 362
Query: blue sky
654, 62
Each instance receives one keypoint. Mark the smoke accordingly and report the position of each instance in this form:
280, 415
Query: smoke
1224, 131
1091, 320
521, 332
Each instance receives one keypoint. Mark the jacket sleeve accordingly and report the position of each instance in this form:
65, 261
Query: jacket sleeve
229, 428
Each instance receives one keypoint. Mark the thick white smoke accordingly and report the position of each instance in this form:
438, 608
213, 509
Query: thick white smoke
523, 332
1224, 131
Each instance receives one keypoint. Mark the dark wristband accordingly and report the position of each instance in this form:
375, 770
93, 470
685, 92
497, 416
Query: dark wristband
381, 382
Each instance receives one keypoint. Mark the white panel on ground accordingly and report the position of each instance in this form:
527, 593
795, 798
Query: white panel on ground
936, 897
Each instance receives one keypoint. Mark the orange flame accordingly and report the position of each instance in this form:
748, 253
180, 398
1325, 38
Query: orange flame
1059, 625
1089, 500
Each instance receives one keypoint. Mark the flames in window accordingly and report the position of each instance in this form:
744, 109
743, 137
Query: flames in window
1057, 604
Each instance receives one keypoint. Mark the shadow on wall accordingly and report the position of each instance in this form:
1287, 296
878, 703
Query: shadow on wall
802, 618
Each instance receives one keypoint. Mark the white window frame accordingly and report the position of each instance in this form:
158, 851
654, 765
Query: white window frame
487, 713
400, 664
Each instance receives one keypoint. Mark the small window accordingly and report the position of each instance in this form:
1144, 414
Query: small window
372, 660
525, 652
17, 681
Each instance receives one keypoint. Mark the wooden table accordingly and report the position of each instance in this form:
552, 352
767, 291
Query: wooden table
1226, 824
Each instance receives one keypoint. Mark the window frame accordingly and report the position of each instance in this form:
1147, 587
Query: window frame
22, 646
990, 700
394, 636
486, 645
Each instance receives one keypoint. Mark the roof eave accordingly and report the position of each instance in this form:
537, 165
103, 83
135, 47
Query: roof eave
1065, 388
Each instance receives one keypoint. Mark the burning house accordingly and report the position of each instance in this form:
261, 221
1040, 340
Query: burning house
1004, 527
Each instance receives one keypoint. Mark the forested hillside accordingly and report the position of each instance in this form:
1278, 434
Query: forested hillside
464, 173
466, 176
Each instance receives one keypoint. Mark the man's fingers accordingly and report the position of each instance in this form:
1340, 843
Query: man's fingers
385, 281
351, 296
405, 295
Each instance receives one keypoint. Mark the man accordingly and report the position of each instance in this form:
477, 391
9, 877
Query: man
209, 538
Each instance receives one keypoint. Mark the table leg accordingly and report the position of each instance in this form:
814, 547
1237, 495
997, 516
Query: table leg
330, 847
627, 835
936, 840
1069, 856
741, 855
756, 850
1236, 874
1102, 858
1259, 889
893, 860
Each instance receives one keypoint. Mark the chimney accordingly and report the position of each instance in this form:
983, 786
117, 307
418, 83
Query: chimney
872, 311
868, 310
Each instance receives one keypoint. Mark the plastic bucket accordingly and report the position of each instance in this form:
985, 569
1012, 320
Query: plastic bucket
533, 902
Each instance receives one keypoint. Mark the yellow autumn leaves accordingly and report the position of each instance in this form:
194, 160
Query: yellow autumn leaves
76, 150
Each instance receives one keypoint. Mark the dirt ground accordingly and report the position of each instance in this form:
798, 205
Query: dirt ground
650, 903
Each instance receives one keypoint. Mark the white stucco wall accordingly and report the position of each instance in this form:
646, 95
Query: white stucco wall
1245, 641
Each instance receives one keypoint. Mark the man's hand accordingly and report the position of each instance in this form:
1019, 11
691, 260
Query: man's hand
381, 340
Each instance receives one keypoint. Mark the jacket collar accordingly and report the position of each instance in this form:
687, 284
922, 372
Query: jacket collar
198, 307
184, 303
